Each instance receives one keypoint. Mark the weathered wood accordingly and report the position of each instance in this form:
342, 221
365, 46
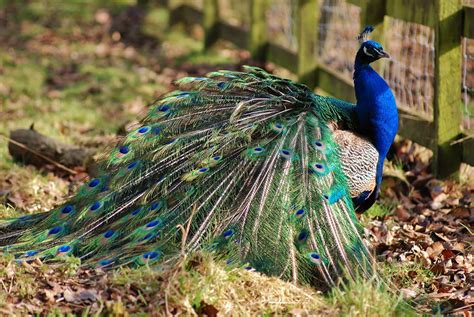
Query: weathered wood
210, 22
419, 11
335, 84
372, 11
418, 130
468, 151
185, 14
283, 57
307, 19
468, 22
233, 34
143, 4
447, 112
258, 30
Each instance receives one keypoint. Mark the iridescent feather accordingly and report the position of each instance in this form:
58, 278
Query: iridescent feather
246, 160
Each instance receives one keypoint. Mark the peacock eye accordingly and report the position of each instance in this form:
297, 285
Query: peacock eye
366, 51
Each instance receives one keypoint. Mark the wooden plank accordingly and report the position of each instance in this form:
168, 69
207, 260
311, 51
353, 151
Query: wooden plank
447, 113
283, 57
469, 22
416, 129
334, 84
307, 32
185, 14
234, 34
468, 151
417, 11
258, 30
210, 21
372, 11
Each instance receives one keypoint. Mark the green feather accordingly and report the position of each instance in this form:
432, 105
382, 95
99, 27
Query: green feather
243, 162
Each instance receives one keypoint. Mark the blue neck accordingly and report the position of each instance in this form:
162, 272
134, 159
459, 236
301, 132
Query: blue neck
376, 110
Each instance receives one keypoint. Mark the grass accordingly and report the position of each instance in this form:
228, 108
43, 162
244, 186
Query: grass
197, 284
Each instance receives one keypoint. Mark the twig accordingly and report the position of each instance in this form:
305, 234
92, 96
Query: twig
57, 164
462, 139
186, 231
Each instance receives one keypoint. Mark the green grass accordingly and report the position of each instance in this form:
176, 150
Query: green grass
196, 284
361, 297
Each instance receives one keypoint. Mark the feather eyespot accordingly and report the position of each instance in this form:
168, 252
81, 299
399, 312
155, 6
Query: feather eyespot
228, 234
319, 145
31, 253
137, 211
153, 224
277, 127
124, 149
54, 230
148, 236
286, 154
303, 235
256, 151
151, 255
64, 249
163, 108
143, 129
93, 183
314, 258
319, 168
96, 205
109, 234
132, 165
105, 262
203, 170
67, 209
155, 205
299, 213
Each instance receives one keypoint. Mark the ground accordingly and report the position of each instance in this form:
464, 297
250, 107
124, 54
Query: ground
82, 72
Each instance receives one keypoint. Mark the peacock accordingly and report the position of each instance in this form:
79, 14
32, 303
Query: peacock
256, 169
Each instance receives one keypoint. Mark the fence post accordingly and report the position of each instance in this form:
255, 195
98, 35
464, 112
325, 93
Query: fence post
307, 19
210, 22
258, 30
447, 110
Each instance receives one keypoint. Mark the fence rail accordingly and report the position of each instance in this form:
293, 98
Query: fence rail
429, 87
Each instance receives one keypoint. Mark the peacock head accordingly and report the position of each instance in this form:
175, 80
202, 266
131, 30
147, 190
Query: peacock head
369, 50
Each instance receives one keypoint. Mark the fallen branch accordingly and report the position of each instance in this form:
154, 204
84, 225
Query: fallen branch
31, 147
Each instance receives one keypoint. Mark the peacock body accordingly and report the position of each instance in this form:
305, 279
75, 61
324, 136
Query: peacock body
255, 168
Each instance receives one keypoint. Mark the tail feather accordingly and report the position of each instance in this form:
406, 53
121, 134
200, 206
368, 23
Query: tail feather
240, 163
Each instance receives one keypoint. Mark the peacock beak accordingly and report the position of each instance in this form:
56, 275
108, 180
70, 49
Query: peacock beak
384, 54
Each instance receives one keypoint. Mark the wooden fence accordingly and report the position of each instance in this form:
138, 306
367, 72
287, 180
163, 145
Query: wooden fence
449, 19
